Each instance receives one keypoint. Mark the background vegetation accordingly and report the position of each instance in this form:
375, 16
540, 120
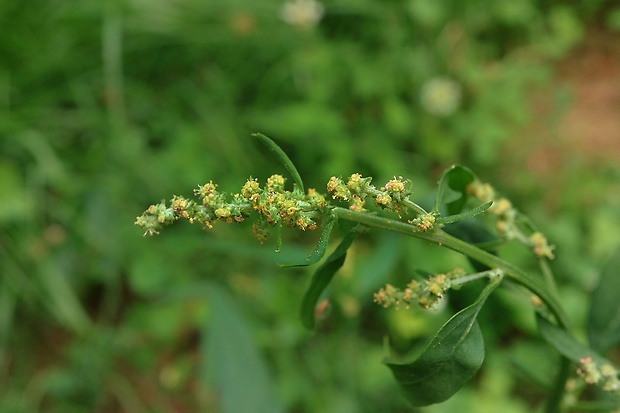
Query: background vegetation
106, 107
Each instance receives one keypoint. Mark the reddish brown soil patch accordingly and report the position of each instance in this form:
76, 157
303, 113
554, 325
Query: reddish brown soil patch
592, 124
571, 134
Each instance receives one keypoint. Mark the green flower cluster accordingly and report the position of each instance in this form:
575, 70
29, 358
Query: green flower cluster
606, 375
274, 205
508, 220
426, 293
392, 196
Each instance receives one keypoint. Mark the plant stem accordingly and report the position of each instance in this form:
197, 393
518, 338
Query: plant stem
441, 238
476, 276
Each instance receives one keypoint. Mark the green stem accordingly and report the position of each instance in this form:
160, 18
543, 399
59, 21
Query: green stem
413, 206
476, 276
441, 238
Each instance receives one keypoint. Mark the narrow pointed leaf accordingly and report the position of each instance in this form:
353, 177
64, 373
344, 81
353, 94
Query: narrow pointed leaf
321, 246
282, 157
451, 359
564, 343
452, 191
465, 215
604, 316
323, 276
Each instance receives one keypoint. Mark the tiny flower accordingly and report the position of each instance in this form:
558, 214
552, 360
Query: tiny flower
424, 222
304, 14
354, 182
441, 96
357, 204
315, 198
500, 207
427, 301
149, 223
481, 191
276, 182
337, 188
541, 246
438, 285
222, 213
395, 185
383, 200
605, 375
250, 188
359, 185
413, 286
385, 296
501, 227
588, 371
536, 301
180, 206
206, 191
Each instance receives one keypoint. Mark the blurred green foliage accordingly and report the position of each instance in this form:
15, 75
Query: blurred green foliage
106, 107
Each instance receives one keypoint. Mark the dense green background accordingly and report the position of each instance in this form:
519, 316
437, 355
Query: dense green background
106, 107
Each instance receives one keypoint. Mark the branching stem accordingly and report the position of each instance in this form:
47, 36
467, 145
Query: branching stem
441, 238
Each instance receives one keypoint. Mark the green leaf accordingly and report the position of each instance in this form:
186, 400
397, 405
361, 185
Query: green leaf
564, 343
450, 219
321, 246
282, 157
451, 359
604, 316
232, 361
452, 189
323, 276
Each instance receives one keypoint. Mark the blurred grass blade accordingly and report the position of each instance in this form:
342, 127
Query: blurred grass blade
231, 360
452, 191
282, 157
64, 302
603, 325
465, 215
7, 312
323, 276
321, 246
451, 359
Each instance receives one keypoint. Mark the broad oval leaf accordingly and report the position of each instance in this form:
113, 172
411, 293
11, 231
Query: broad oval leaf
451, 359
323, 276
452, 191
604, 315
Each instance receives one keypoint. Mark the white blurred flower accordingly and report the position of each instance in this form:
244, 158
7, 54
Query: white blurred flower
302, 13
441, 96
